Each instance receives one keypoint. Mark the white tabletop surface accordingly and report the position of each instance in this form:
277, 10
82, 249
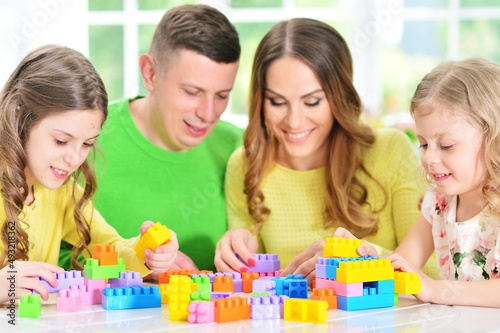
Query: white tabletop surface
409, 315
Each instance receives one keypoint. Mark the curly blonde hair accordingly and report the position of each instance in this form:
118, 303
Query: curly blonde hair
49, 80
471, 87
324, 50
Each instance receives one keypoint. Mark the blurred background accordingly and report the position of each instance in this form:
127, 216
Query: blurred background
394, 43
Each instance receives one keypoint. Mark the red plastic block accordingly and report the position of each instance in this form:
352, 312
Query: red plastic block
248, 281
69, 300
223, 284
152, 238
106, 255
231, 309
325, 295
201, 312
30, 306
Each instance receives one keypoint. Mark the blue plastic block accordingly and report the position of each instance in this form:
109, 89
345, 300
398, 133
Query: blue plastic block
381, 287
370, 301
293, 286
131, 298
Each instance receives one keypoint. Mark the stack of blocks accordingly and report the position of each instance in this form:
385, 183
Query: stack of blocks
358, 283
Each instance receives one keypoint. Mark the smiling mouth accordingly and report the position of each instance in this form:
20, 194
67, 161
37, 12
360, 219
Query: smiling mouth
59, 171
300, 135
441, 175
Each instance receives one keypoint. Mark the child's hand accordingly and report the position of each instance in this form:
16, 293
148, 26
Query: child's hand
364, 250
235, 241
427, 283
305, 263
163, 256
26, 279
182, 261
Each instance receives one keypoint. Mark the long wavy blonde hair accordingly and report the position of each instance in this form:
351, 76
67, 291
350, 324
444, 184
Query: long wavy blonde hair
49, 80
324, 50
471, 87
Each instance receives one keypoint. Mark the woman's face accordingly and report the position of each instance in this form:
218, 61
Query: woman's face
297, 113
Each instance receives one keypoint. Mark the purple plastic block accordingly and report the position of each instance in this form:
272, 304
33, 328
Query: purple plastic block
64, 281
127, 279
321, 268
238, 282
264, 285
217, 295
69, 300
264, 263
265, 307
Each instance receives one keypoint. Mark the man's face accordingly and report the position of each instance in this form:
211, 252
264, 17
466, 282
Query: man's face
190, 93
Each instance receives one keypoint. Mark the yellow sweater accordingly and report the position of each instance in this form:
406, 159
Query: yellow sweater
50, 220
297, 199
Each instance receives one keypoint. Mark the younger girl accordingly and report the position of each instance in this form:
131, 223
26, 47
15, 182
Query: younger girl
457, 116
51, 112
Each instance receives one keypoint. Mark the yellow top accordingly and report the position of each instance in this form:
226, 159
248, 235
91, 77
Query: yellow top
49, 219
297, 199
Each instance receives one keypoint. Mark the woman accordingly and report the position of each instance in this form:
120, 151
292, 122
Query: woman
309, 164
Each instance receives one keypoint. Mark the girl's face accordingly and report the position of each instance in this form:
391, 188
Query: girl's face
59, 144
451, 151
297, 113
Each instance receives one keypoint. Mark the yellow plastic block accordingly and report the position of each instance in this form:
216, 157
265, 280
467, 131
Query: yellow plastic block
152, 238
407, 283
341, 247
179, 297
164, 292
305, 310
365, 271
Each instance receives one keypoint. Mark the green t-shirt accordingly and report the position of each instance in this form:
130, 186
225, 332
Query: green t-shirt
138, 181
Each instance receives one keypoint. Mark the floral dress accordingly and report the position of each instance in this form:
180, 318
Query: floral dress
466, 251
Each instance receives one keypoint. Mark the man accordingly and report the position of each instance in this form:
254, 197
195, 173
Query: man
165, 154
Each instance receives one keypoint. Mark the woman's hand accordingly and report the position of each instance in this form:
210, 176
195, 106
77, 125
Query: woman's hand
25, 280
364, 250
305, 263
163, 256
235, 241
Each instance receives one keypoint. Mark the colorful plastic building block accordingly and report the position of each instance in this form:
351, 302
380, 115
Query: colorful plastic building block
267, 307
64, 281
165, 276
363, 270
217, 295
293, 286
69, 300
152, 238
164, 292
407, 283
179, 297
264, 284
223, 284
200, 296
231, 309
274, 274
238, 282
127, 279
203, 283
201, 312
248, 281
106, 255
30, 306
305, 310
369, 300
89, 297
341, 247
93, 271
340, 288
264, 263
325, 295
131, 298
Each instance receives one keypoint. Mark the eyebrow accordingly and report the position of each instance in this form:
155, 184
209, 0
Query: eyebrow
303, 96
72, 136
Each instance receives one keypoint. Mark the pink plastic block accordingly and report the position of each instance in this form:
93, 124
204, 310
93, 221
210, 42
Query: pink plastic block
69, 300
201, 312
93, 285
88, 297
340, 288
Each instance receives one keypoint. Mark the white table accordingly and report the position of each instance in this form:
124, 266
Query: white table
409, 316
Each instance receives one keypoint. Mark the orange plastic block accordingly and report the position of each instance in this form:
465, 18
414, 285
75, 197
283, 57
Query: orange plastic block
231, 309
365, 271
106, 255
248, 281
152, 238
305, 310
407, 283
341, 247
179, 297
325, 294
223, 284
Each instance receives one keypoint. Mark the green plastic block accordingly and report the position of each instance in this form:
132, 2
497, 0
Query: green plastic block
30, 306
